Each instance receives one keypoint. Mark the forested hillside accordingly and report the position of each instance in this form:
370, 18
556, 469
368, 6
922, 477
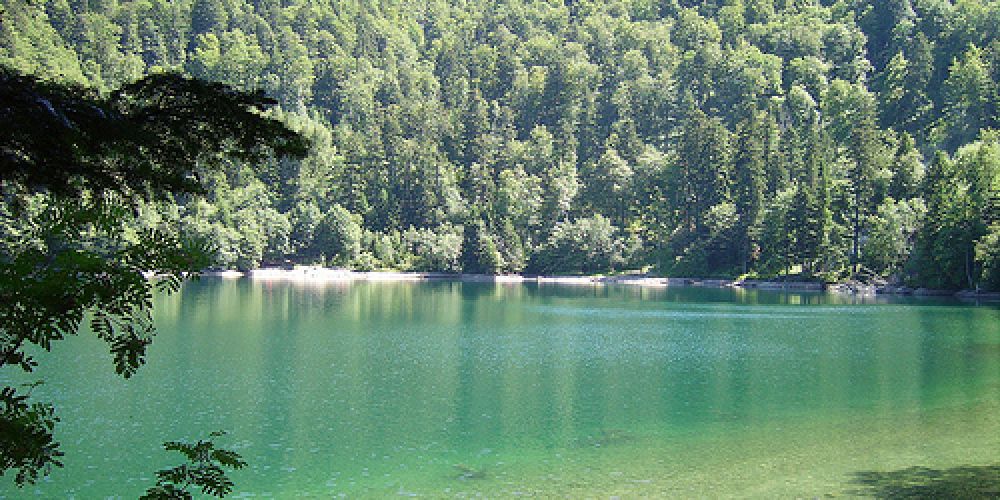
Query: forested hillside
713, 138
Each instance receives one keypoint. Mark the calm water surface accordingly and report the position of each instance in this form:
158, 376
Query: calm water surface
452, 389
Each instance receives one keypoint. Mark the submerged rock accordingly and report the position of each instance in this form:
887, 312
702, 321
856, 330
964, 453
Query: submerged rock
608, 437
466, 472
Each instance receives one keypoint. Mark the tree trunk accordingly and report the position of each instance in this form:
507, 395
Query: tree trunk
856, 238
968, 267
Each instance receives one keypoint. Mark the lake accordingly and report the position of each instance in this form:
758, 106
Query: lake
445, 389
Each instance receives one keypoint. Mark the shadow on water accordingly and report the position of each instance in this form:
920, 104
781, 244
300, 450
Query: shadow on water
967, 482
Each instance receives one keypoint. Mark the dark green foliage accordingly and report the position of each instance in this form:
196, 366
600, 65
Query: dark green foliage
961, 196
26, 442
145, 140
479, 251
204, 469
945, 244
969, 98
775, 235
749, 186
704, 163
988, 252
208, 16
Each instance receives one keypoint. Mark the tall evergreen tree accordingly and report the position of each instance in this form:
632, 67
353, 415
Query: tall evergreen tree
750, 183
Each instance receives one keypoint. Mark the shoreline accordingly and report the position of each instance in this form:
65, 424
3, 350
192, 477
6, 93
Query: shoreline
319, 275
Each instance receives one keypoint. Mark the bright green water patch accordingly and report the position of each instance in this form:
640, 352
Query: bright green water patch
452, 389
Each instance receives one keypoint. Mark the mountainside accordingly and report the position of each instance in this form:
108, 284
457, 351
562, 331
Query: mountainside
700, 138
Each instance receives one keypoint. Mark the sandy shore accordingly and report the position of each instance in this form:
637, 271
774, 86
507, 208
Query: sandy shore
321, 274
318, 275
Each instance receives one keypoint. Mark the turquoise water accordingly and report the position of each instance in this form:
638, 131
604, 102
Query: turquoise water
451, 389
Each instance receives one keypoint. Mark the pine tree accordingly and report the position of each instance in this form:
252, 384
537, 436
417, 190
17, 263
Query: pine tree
907, 170
968, 93
750, 183
945, 245
705, 161
208, 16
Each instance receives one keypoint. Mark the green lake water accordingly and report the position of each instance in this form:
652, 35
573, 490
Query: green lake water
446, 389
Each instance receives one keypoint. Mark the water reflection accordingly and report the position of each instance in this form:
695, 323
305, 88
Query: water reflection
374, 387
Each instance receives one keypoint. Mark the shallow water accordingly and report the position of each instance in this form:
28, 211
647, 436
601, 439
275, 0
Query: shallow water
451, 389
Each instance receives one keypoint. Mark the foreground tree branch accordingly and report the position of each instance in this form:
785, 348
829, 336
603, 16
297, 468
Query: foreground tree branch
74, 169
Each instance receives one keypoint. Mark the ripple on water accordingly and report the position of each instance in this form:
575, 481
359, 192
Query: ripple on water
550, 393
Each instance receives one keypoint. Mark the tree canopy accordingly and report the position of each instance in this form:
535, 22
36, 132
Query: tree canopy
515, 116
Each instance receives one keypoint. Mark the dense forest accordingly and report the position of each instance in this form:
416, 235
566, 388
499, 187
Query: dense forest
699, 138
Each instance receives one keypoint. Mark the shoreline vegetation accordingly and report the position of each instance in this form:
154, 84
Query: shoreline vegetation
318, 275
550, 138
